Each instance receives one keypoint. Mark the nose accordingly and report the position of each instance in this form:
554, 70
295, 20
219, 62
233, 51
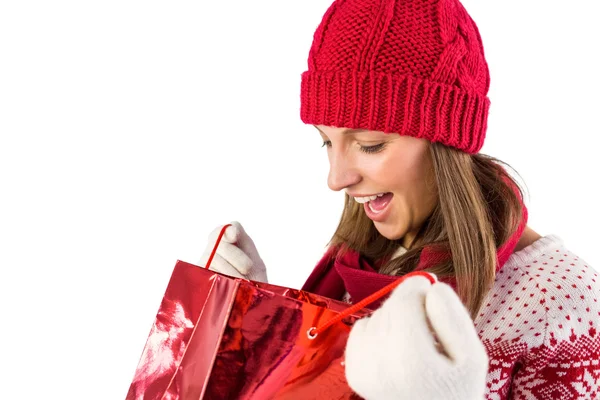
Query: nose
342, 173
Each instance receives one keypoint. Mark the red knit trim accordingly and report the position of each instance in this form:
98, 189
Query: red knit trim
410, 106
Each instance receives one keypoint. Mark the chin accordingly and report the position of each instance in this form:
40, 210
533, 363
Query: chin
389, 230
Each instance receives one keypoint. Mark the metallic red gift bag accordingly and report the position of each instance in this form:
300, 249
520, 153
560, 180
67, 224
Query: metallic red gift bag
217, 337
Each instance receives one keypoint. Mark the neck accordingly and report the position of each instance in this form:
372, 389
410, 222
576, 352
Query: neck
529, 236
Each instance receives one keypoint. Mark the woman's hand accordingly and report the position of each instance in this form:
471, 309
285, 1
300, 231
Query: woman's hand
236, 255
394, 354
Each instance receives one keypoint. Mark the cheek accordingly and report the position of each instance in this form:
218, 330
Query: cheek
405, 173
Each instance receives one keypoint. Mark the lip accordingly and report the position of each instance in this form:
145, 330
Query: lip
380, 216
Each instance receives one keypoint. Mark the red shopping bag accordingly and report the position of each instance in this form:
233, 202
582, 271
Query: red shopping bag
217, 337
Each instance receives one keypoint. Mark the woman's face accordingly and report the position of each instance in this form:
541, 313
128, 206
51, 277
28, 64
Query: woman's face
397, 169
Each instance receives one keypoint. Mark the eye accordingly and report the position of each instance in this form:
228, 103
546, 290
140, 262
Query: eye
326, 143
372, 149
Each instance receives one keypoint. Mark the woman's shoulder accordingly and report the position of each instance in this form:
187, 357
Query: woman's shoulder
546, 276
544, 295
552, 267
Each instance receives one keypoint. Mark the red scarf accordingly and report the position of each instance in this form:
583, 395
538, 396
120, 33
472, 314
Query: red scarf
335, 275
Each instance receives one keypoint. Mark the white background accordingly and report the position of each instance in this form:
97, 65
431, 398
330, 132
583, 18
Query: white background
130, 129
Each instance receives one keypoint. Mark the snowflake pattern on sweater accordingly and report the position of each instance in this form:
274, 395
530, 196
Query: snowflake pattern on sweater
539, 324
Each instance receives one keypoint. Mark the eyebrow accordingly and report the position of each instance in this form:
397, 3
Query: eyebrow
346, 130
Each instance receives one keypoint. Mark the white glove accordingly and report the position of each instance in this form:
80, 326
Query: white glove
236, 255
393, 355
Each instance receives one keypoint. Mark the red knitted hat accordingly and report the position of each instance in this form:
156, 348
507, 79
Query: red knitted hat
413, 67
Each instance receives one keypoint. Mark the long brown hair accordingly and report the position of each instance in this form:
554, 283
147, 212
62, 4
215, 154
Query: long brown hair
476, 212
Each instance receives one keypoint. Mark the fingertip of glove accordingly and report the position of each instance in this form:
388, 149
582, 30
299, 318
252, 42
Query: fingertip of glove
416, 282
413, 286
232, 232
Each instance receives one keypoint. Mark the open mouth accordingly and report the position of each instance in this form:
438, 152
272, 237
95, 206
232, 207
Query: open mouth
379, 204
376, 205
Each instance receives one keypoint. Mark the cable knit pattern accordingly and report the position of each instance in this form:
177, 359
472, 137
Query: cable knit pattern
411, 67
539, 325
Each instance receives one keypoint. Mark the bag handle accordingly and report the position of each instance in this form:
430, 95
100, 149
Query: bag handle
214, 250
313, 332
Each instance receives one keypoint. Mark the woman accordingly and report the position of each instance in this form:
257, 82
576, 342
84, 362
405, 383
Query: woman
398, 92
